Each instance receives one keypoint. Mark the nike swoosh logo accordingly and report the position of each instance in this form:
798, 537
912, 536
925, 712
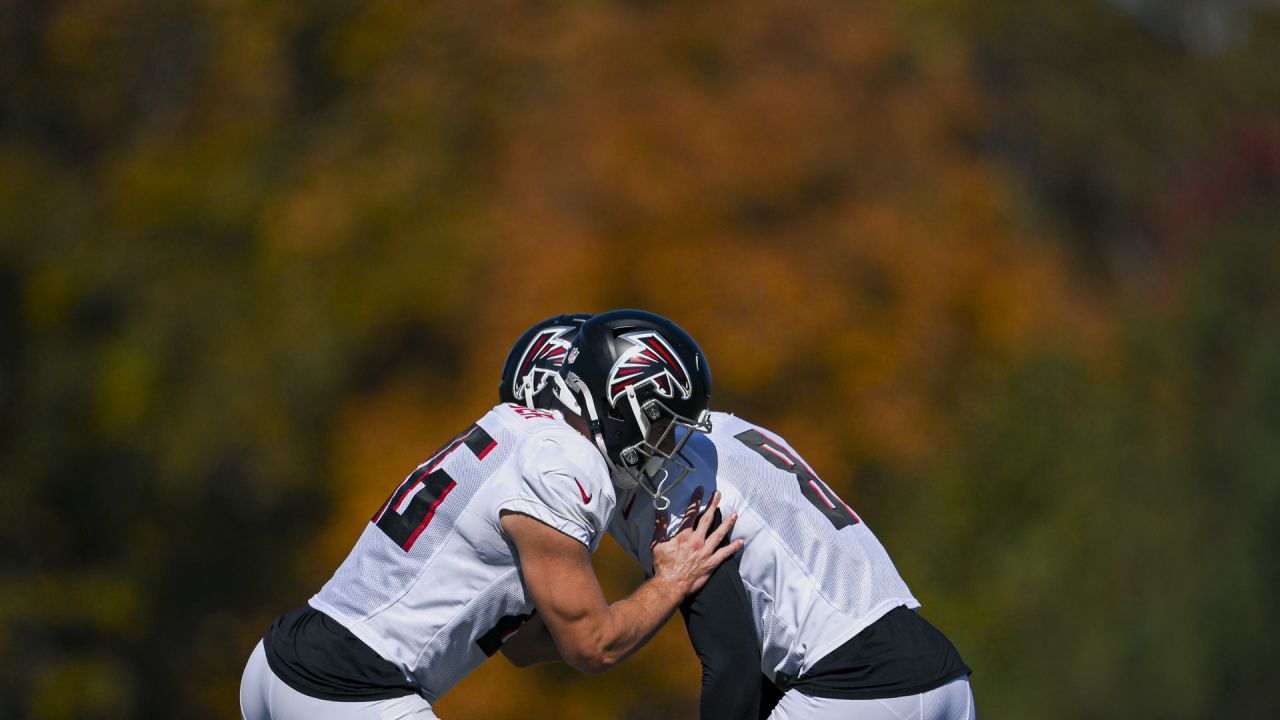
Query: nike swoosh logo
585, 497
627, 512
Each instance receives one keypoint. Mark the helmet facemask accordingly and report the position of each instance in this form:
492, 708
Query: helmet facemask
655, 463
642, 386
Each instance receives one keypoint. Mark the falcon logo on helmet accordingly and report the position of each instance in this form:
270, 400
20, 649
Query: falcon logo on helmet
545, 354
650, 360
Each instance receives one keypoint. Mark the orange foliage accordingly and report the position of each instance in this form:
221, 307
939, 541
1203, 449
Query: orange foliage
782, 179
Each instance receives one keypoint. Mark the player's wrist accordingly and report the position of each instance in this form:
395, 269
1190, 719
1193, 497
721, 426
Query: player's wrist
671, 590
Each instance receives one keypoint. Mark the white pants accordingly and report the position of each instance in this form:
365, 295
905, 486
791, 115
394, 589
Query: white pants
953, 701
263, 696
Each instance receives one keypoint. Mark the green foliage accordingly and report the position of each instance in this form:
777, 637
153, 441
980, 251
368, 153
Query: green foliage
1014, 263
1101, 534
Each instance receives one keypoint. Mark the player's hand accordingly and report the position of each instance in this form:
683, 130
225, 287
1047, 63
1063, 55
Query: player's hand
661, 523
689, 557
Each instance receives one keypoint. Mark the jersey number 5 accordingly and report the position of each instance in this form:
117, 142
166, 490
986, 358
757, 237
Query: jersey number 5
410, 508
811, 486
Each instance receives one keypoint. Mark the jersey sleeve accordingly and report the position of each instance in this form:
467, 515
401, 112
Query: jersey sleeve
562, 488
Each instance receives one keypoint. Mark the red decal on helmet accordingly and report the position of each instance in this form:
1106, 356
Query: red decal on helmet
650, 360
545, 353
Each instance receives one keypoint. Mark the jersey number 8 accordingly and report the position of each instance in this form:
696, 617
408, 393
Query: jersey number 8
811, 486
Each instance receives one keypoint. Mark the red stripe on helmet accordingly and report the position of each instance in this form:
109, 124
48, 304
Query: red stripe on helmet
653, 342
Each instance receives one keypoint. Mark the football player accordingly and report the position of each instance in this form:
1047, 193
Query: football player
497, 525
813, 603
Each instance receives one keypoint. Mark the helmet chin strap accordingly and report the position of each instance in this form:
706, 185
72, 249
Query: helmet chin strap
660, 502
641, 420
659, 473
593, 424
566, 396
624, 478
524, 390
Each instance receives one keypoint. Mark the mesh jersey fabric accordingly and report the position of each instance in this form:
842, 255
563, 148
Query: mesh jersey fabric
437, 594
814, 573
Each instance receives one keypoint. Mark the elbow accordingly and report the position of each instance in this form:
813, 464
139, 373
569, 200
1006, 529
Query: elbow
593, 645
592, 660
589, 666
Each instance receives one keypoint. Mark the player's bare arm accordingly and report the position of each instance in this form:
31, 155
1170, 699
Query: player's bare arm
591, 634
534, 644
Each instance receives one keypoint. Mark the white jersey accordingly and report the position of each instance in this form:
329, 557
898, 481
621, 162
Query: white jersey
815, 574
432, 584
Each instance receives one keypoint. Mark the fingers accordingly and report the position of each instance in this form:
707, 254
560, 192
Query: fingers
700, 524
722, 532
709, 516
659, 528
691, 512
689, 558
723, 553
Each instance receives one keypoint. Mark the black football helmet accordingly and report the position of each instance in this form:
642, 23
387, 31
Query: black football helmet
643, 386
536, 358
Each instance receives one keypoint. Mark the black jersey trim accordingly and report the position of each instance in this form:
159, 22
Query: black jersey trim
491, 642
899, 654
317, 656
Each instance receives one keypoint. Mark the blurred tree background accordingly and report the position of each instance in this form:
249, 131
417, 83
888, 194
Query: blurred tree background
1006, 272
